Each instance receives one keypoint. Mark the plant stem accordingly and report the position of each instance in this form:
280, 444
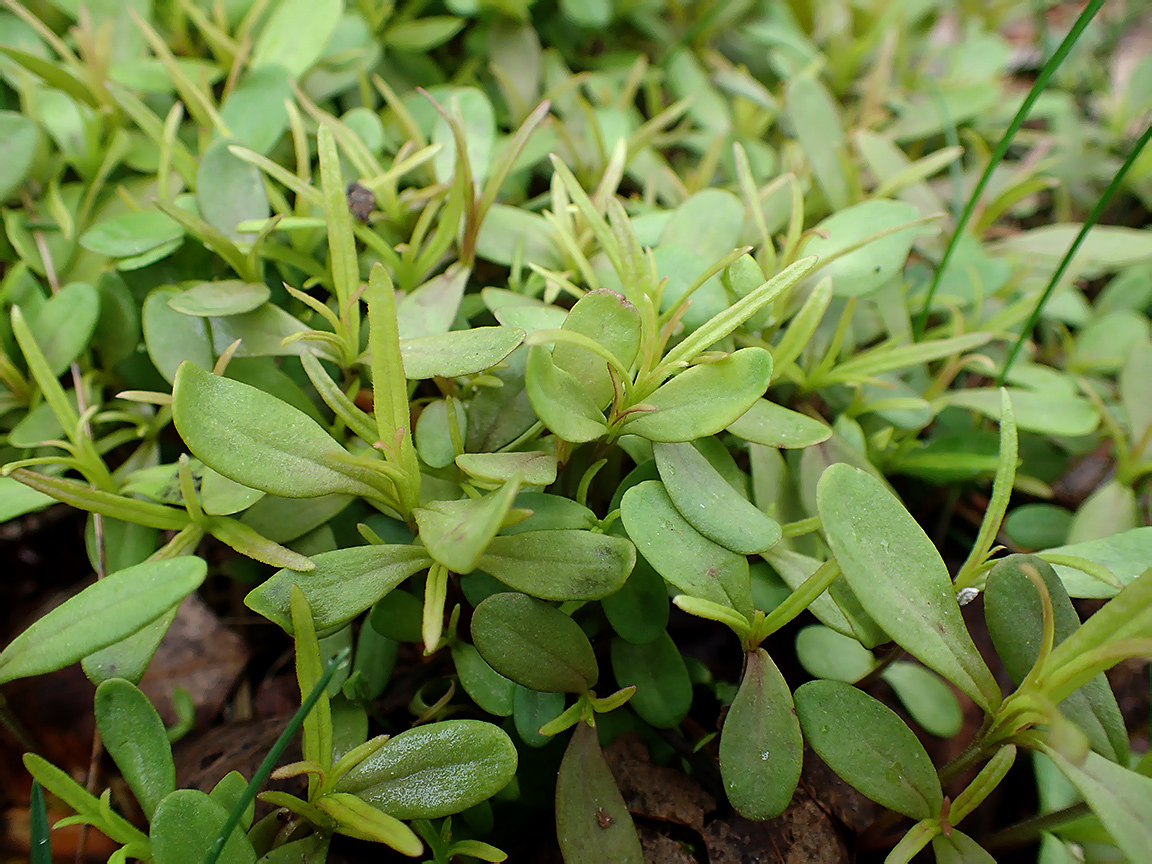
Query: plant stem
1023, 833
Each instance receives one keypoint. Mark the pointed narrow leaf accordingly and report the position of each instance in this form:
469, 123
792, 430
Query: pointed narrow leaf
344, 584
710, 504
456, 533
103, 613
592, 823
560, 564
869, 746
434, 770
705, 399
534, 644
359, 819
899, 578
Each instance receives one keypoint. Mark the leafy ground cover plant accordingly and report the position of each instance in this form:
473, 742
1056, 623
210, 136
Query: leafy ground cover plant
522, 346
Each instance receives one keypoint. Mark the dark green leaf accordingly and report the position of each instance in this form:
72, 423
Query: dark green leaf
534, 644
487, 687
761, 750
869, 746
663, 691
638, 612
134, 736
561, 564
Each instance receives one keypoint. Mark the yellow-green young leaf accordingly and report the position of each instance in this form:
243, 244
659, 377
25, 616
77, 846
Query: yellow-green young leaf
456, 533
257, 440
317, 726
185, 827
458, 352
663, 690
983, 784
534, 467
710, 504
761, 749
959, 848
228, 792
534, 644
134, 736
608, 319
869, 746
592, 823
560, 400
560, 564
86, 805
680, 553
704, 399
776, 426
359, 819
103, 613
435, 770
1015, 617
344, 584
1120, 798
899, 578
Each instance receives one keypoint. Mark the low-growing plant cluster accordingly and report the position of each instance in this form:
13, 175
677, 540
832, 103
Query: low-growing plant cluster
514, 331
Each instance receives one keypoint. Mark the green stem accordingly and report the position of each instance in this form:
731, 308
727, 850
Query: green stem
1028, 831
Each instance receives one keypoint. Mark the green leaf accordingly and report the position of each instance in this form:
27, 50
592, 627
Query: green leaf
86, 805
825, 653
1015, 617
704, 399
456, 533
257, 440
560, 564
1120, 798
534, 468
609, 320
929, 699
221, 298
434, 770
761, 750
487, 687
815, 119
1046, 412
64, 325
899, 578
131, 234
681, 554
229, 792
422, 34
560, 400
638, 612
134, 736
359, 819
458, 352
534, 644
344, 584
592, 822
171, 337
959, 848
663, 690
533, 711
105, 612
478, 128
710, 505
186, 825
20, 138
1124, 556
296, 34
509, 231
877, 261
317, 724
776, 426
254, 110
229, 191
869, 746
16, 499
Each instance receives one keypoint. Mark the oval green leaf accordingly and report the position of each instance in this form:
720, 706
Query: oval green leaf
487, 687
131, 234
64, 325
638, 612
710, 504
869, 746
657, 670
560, 400
220, 299
457, 352
608, 319
434, 770
865, 269
534, 644
899, 578
560, 564
185, 827
761, 749
170, 337
229, 190
776, 426
704, 399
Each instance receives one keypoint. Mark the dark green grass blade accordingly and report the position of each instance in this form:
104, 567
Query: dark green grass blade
41, 847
